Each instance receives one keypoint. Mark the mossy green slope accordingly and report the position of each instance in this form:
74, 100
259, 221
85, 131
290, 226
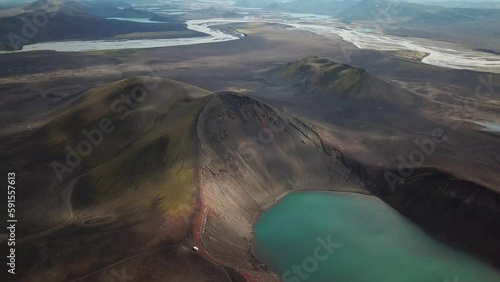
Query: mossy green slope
148, 158
345, 81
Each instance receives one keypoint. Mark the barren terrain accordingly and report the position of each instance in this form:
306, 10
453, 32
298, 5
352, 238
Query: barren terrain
189, 167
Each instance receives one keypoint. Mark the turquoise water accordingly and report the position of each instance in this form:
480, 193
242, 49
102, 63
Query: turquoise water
329, 237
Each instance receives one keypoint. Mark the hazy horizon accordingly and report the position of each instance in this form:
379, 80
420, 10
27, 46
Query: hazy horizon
420, 1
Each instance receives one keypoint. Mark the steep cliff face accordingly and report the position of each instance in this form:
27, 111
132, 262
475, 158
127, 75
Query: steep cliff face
251, 155
457, 199
457, 210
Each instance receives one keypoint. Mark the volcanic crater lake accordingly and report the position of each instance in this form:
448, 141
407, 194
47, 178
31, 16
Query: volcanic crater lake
330, 237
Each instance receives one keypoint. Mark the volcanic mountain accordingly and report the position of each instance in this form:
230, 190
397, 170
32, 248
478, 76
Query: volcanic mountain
152, 167
162, 181
324, 90
322, 75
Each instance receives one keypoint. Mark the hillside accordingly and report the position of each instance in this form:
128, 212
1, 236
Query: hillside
144, 169
315, 74
328, 7
251, 155
384, 10
133, 162
252, 3
136, 132
66, 20
475, 27
118, 162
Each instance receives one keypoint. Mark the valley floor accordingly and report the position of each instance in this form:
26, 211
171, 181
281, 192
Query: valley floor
34, 90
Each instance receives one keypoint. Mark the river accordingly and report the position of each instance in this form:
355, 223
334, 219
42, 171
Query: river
441, 54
